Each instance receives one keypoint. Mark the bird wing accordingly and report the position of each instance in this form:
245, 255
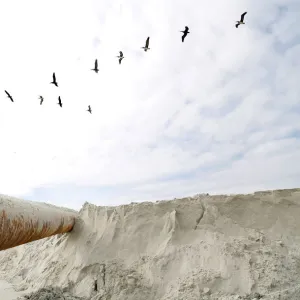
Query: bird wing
54, 78
96, 64
7, 93
121, 53
147, 42
243, 16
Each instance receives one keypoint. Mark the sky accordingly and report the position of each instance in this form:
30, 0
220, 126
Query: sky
219, 113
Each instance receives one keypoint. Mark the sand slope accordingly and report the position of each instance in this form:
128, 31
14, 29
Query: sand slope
7, 292
204, 247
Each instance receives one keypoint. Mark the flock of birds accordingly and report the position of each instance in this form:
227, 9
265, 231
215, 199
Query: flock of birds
121, 57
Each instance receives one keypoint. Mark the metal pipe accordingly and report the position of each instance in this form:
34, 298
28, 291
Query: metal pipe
22, 221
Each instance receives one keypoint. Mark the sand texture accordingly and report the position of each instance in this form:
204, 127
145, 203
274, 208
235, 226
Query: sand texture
7, 291
202, 247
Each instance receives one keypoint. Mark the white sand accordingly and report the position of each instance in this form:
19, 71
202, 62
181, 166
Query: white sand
205, 247
7, 291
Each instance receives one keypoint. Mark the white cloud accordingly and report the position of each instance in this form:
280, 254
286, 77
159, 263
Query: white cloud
219, 112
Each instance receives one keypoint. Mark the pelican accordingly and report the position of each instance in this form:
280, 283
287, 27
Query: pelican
41, 100
9, 96
121, 56
54, 80
96, 67
146, 45
59, 101
185, 33
89, 109
241, 21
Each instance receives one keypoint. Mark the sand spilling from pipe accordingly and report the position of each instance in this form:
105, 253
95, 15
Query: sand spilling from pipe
204, 247
25, 221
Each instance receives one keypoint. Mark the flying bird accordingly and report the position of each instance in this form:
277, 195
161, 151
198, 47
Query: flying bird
9, 96
121, 56
89, 110
41, 99
185, 33
59, 101
146, 45
96, 67
241, 21
54, 80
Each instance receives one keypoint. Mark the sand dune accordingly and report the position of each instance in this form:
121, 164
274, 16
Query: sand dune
201, 247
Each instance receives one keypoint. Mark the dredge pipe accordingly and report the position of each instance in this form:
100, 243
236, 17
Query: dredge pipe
22, 221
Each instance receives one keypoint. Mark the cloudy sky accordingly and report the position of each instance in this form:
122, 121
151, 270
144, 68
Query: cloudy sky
219, 113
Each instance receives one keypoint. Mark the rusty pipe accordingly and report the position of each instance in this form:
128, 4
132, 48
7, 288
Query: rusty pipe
22, 221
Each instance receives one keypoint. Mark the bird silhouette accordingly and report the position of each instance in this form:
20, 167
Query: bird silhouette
121, 56
9, 96
54, 80
241, 21
59, 101
146, 45
96, 67
89, 109
185, 33
41, 99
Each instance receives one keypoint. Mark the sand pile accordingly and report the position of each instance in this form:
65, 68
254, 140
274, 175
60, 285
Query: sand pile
204, 247
50, 293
